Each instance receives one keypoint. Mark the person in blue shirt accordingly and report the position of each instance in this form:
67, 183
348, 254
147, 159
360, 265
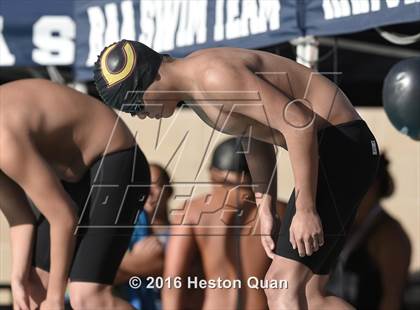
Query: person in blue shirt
145, 257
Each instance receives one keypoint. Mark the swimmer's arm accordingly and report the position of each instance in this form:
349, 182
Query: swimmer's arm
21, 162
297, 126
181, 253
18, 213
261, 160
393, 262
145, 259
295, 122
301, 137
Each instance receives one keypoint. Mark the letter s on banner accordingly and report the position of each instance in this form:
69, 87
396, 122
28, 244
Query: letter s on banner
6, 57
53, 37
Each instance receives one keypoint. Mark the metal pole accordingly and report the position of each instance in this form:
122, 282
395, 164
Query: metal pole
371, 48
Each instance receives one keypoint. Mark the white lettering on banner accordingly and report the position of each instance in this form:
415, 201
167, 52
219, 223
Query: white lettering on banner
341, 8
147, 23
270, 13
54, 38
251, 17
250, 21
112, 24
128, 28
193, 23
328, 9
219, 29
410, 1
233, 20
96, 35
6, 57
392, 3
375, 5
105, 27
165, 25
360, 6
166, 18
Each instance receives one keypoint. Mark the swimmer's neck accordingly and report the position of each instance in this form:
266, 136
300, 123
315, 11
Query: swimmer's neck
179, 76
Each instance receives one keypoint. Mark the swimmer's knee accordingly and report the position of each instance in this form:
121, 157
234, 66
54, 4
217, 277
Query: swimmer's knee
294, 273
286, 269
95, 296
89, 295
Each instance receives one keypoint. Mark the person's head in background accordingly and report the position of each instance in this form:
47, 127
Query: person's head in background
230, 169
228, 163
161, 191
381, 188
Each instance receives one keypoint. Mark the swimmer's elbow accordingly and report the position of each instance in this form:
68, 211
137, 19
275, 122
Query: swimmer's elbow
297, 116
65, 219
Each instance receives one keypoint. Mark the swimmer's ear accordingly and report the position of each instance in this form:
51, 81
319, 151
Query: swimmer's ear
158, 77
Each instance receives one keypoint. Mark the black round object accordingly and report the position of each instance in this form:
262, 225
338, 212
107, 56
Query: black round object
401, 96
228, 156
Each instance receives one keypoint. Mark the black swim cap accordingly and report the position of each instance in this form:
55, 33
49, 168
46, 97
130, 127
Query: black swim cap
122, 68
229, 156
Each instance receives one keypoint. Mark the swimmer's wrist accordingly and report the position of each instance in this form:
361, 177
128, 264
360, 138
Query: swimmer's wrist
305, 204
264, 202
306, 207
304, 198
19, 278
56, 289
55, 296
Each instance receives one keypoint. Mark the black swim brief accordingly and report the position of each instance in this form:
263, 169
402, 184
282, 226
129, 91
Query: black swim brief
348, 160
108, 200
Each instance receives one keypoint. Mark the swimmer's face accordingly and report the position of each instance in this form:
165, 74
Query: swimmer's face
155, 110
158, 100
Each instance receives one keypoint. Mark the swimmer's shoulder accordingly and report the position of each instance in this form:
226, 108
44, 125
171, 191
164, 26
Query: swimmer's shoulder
198, 201
193, 208
32, 90
218, 64
18, 101
389, 232
223, 58
24, 84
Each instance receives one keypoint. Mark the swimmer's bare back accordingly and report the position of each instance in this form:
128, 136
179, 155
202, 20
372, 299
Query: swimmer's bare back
217, 218
68, 129
269, 80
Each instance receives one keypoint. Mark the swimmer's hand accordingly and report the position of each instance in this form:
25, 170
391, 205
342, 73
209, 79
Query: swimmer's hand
20, 295
148, 245
306, 233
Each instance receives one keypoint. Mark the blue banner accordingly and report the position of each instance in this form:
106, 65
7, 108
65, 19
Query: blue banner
332, 17
40, 32
181, 26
